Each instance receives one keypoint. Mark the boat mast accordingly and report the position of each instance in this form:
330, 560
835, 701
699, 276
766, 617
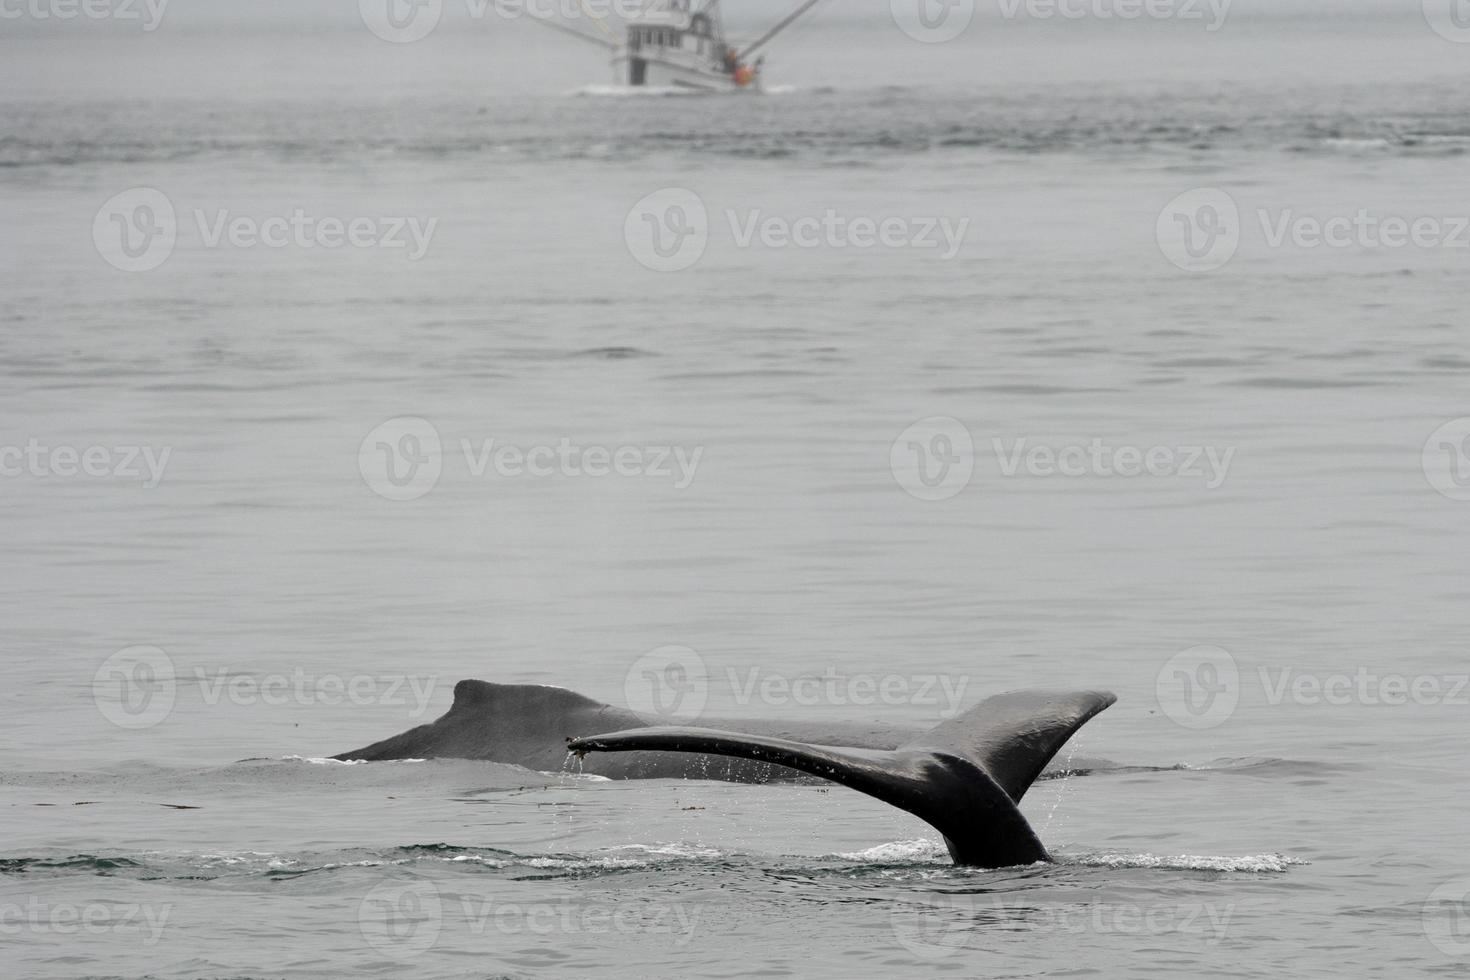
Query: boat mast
711, 11
785, 23
609, 40
574, 32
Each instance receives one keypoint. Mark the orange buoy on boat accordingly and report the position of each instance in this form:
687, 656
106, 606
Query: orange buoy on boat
744, 75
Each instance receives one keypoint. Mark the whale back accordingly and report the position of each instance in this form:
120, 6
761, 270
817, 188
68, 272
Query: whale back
523, 724
527, 725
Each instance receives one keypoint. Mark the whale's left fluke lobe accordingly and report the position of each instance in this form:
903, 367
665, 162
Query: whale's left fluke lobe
963, 777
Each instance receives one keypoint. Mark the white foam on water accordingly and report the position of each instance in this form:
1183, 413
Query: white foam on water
583, 777
1185, 862
340, 762
227, 858
636, 91
676, 849
488, 862
670, 91
900, 852
1357, 143
585, 862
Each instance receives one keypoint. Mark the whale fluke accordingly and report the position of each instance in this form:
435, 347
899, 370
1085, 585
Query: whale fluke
964, 777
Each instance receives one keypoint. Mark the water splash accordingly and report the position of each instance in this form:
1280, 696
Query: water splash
579, 777
1063, 780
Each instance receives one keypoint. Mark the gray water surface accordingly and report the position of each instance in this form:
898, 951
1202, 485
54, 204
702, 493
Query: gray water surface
1312, 829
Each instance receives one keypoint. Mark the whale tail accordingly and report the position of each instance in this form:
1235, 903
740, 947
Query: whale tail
964, 777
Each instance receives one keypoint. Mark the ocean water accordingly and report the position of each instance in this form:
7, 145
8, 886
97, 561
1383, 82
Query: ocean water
847, 466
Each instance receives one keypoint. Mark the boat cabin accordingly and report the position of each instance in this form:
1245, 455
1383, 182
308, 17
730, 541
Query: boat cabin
675, 32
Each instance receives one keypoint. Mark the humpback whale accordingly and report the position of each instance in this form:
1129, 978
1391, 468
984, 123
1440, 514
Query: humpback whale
965, 777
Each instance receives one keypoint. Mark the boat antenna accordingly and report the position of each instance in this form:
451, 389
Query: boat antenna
785, 23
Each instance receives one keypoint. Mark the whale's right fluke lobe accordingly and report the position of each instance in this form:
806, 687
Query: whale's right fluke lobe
963, 777
1013, 736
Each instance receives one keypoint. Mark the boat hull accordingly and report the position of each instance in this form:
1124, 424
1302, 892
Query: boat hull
657, 72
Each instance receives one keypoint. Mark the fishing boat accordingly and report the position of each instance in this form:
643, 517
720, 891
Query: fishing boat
682, 44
